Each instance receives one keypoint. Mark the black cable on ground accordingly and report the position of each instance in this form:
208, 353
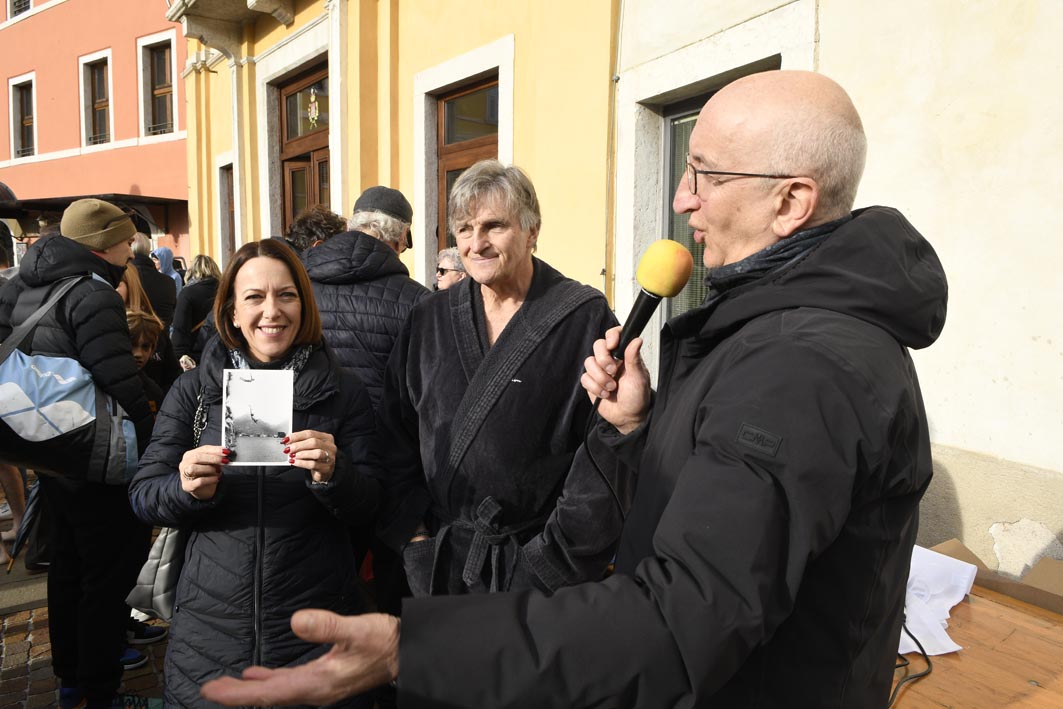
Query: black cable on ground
917, 675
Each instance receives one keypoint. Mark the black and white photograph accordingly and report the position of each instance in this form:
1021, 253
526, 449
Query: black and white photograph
257, 406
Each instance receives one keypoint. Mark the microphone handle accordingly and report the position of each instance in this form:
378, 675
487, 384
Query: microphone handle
645, 304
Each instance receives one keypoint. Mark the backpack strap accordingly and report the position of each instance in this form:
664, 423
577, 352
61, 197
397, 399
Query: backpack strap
23, 331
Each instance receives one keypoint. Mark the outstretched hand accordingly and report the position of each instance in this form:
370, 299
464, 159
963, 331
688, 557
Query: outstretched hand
364, 654
623, 387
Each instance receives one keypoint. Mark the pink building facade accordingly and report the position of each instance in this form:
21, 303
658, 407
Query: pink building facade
92, 103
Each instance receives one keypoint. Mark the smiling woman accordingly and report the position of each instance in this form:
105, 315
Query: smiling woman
266, 539
265, 303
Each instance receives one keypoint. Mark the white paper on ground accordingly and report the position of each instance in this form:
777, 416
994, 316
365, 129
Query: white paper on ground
936, 583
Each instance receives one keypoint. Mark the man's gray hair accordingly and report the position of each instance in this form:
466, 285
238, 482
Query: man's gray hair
832, 150
490, 180
450, 258
141, 244
383, 226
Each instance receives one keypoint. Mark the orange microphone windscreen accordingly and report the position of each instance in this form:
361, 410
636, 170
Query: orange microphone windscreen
665, 268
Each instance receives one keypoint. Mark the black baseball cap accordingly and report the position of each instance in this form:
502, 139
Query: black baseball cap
390, 202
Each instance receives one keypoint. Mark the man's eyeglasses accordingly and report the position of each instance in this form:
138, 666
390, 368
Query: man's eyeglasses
693, 172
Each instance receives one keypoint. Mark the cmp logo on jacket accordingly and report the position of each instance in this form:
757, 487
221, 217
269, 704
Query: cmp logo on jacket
759, 440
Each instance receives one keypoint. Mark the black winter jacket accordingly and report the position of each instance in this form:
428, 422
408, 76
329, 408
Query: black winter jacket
193, 305
364, 294
161, 289
765, 557
88, 325
269, 542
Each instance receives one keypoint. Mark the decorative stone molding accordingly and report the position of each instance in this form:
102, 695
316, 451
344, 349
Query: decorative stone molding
219, 23
225, 36
282, 10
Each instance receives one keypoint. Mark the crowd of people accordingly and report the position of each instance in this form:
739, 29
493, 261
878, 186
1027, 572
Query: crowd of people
482, 461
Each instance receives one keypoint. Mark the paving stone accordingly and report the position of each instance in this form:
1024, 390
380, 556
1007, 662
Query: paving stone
42, 685
13, 699
17, 671
40, 663
15, 659
13, 648
19, 617
17, 637
16, 684
44, 650
12, 627
42, 700
41, 673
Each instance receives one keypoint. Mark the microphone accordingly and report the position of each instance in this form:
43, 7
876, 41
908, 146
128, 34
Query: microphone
663, 271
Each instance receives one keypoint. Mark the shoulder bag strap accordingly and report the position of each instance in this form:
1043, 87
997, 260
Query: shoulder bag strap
20, 333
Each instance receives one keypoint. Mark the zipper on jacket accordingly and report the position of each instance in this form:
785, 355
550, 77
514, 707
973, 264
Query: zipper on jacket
260, 553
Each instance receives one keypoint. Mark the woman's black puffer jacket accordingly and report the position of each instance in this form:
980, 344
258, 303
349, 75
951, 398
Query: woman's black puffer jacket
364, 294
268, 543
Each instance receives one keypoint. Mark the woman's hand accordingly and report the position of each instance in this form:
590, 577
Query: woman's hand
314, 451
200, 470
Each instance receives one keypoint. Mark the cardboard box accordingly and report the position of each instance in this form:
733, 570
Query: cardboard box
1042, 586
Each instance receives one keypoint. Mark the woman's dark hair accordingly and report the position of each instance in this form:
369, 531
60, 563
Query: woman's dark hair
224, 302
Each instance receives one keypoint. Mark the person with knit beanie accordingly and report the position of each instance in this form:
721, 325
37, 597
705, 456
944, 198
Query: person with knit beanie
97, 545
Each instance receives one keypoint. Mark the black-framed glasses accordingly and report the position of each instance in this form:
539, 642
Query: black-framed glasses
693, 172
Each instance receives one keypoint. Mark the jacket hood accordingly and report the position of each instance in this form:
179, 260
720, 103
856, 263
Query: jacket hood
165, 256
875, 267
55, 257
351, 257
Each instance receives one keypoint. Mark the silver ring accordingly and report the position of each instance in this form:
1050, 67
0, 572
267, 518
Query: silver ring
188, 476
328, 456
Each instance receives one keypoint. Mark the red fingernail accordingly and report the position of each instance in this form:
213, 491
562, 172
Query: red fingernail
286, 439
224, 461
225, 451
287, 450
291, 459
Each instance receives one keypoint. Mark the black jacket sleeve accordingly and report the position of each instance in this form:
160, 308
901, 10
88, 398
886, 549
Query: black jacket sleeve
406, 498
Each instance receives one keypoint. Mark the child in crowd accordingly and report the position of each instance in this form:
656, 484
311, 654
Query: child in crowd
144, 332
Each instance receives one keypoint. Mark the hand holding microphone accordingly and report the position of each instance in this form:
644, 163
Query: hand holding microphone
625, 396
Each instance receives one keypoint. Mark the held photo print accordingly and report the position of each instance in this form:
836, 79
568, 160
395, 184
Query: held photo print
257, 409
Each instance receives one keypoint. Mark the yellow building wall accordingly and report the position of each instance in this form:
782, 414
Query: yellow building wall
563, 64
563, 60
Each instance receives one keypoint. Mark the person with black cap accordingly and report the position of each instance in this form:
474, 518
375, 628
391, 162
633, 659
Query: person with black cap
363, 291
98, 546
364, 294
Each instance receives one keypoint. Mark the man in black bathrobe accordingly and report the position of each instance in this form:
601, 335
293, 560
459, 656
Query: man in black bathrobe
482, 412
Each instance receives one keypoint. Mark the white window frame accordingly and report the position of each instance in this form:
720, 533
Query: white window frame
498, 56
15, 120
84, 100
642, 94
144, 95
312, 43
